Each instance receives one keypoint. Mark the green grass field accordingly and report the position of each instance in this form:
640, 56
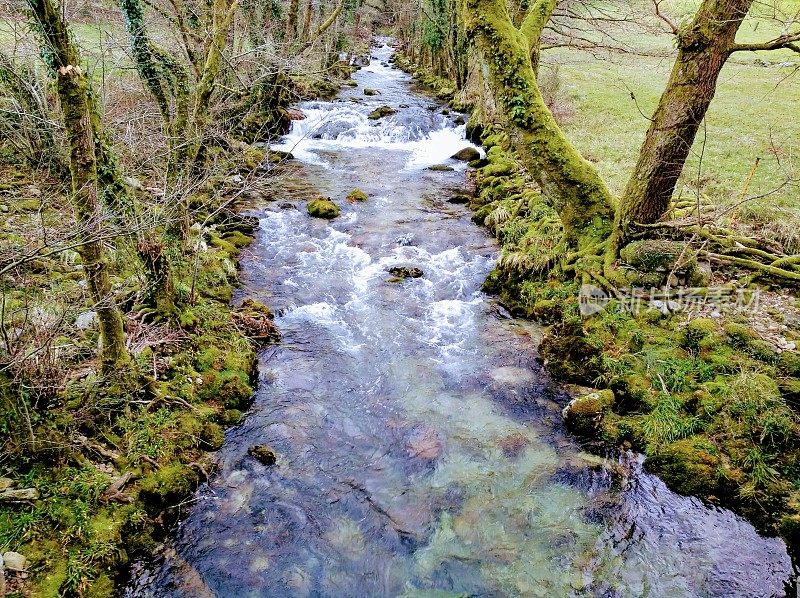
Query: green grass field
754, 115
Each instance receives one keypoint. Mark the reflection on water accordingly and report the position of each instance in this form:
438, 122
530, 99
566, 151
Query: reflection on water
420, 448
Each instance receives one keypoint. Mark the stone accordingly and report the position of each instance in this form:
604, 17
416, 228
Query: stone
357, 195
459, 199
86, 320
134, 184
468, 154
381, 112
459, 120
323, 208
403, 272
263, 454
4, 208
14, 561
295, 114
583, 414
19, 494
440, 168
6, 483
368, 91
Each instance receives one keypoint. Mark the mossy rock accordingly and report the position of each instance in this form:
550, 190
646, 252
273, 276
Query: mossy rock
211, 436
381, 112
658, 254
697, 331
357, 195
688, 466
368, 91
323, 208
237, 239
546, 311
263, 454
440, 168
230, 417
584, 414
168, 486
468, 154
568, 354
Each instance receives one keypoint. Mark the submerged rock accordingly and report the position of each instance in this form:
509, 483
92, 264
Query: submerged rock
381, 112
370, 92
403, 272
323, 208
584, 413
357, 195
263, 454
440, 168
468, 154
460, 199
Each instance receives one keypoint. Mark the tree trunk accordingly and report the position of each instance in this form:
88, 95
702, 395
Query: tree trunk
307, 19
703, 47
568, 181
291, 22
72, 86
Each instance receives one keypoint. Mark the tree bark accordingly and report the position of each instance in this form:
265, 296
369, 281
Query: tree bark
73, 91
703, 47
291, 23
570, 183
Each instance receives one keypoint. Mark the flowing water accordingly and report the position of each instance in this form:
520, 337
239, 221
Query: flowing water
420, 446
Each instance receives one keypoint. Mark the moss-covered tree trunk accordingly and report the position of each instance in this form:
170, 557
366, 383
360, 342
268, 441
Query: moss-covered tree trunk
73, 90
572, 184
292, 19
704, 45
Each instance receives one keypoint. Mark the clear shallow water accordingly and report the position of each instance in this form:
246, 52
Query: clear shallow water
420, 447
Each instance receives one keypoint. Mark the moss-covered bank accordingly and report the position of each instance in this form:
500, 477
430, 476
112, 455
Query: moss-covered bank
112, 462
710, 402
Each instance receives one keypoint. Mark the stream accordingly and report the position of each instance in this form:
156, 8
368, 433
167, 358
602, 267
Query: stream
420, 446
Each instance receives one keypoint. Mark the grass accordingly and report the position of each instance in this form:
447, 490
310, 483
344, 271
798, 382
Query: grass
752, 116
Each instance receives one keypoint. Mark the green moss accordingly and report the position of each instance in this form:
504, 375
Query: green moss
211, 436
584, 414
168, 486
689, 467
357, 195
238, 239
323, 208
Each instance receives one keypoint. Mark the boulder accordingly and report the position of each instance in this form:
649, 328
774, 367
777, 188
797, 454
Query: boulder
295, 114
368, 91
584, 413
6, 483
459, 199
440, 168
323, 208
14, 561
381, 112
468, 154
263, 454
357, 195
403, 272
